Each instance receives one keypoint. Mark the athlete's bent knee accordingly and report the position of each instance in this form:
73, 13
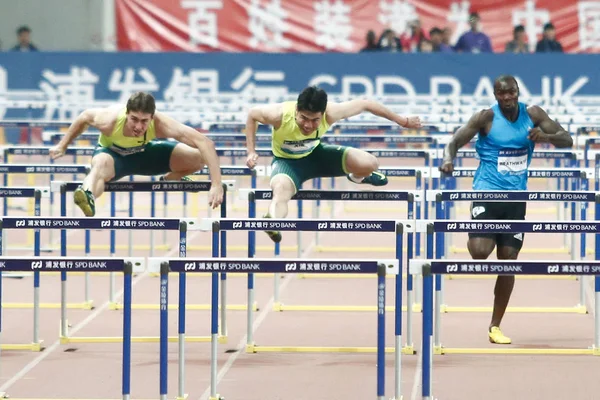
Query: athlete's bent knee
480, 248
282, 187
507, 253
103, 166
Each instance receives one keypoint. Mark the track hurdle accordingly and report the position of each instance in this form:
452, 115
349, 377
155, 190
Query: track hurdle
440, 227
31, 169
126, 266
131, 187
182, 226
251, 225
184, 266
433, 267
410, 197
153, 187
580, 181
442, 197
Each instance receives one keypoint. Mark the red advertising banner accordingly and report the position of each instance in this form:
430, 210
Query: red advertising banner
340, 25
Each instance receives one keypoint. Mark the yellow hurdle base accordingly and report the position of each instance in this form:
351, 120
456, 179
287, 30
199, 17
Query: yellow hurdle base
511, 350
78, 398
86, 305
283, 307
451, 277
579, 309
138, 339
190, 307
253, 348
524, 250
24, 346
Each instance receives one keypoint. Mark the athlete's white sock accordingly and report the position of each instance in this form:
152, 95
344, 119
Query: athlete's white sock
355, 178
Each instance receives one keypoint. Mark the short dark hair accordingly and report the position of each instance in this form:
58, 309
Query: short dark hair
22, 29
141, 102
505, 78
548, 26
312, 99
518, 29
435, 31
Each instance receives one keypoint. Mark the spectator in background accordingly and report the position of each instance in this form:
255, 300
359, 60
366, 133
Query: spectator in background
410, 40
371, 42
519, 42
24, 38
436, 36
474, 41
425, 46
447, 36
548, 44
389, 42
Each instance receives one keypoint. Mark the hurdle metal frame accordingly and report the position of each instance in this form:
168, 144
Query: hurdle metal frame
432, 267
182, 225
251, 225
9, 169
441, 198
437, 228
127, 266
380, 268
580, 181
410, 197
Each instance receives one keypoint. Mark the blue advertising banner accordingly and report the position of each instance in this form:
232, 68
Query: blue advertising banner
81, 78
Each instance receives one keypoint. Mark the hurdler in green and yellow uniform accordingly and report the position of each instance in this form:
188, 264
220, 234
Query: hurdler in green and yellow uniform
134, 141
142, 155
299, 155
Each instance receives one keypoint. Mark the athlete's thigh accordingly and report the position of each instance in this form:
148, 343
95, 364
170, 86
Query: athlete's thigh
510, 244
289, 169
481, 243
181, 157
357, 161
106, 164
327, 161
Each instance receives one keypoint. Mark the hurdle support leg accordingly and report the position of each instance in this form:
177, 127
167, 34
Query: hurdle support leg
596, 350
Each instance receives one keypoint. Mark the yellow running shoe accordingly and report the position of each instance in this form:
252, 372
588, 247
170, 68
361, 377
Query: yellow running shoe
496, 336
84, 199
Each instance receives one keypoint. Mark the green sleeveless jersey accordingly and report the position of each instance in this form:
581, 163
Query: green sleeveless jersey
125, 145
289, 142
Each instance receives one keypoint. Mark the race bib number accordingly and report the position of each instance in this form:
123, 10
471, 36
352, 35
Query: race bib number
127, 151
512, 161
300, 146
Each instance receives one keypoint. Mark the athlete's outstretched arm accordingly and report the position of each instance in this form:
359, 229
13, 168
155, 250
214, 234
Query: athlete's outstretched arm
168, 128
461, 137
91, 117
267, 115
547, 130
347, 109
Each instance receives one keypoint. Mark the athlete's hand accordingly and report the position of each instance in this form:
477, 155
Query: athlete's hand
57, 151
252, 160
447, 167
412, 122
536, 135
215, 195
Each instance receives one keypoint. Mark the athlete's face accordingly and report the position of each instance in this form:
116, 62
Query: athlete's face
137, 122
308, 121
507, 95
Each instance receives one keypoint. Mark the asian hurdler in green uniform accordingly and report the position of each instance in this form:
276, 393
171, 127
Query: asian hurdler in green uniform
299, 155
128, 145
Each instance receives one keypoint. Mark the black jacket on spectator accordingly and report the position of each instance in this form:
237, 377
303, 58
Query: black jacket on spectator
548, 46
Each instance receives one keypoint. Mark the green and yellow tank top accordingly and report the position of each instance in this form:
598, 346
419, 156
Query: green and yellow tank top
288, 141
125, 145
